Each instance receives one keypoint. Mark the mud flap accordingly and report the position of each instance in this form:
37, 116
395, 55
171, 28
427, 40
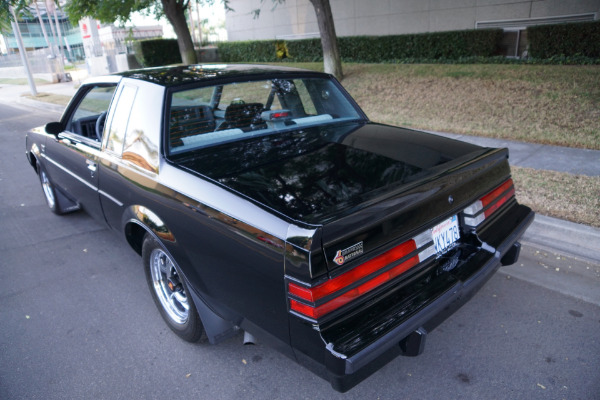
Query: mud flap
216, 328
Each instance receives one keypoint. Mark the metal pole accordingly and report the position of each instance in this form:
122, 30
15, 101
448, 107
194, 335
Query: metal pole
24, 59
50, 8
65, 37
60, 45
51, 23
42, 25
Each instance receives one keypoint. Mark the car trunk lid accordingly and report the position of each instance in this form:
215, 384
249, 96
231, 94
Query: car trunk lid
324, 174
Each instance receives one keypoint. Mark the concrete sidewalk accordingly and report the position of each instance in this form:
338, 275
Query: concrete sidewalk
541, 156
576, 240
16, 94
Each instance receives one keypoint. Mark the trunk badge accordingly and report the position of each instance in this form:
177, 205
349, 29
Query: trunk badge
347, 254
450, 199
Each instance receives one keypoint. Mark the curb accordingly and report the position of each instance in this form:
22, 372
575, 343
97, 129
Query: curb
568, 238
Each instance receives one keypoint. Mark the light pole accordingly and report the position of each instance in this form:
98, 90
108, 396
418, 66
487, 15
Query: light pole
17, 32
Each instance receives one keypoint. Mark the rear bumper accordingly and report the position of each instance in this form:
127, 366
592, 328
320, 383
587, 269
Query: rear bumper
408, 337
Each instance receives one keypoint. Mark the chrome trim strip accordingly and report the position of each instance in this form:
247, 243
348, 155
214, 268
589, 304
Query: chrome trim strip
423, 238
221, 200
108, 196
425, 254
94, 188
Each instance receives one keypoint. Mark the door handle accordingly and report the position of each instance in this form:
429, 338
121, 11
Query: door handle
92, 166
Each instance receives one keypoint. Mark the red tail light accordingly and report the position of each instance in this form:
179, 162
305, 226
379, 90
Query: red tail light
322, 299
477, 212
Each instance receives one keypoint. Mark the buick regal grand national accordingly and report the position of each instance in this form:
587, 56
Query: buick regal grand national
263, 199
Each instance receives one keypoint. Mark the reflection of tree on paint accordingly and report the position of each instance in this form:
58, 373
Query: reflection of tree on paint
304, 172
140, 151
154, 223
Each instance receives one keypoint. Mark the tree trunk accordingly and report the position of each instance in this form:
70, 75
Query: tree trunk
175, 12
331, 52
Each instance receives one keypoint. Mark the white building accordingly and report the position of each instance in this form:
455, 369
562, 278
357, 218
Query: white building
295, 19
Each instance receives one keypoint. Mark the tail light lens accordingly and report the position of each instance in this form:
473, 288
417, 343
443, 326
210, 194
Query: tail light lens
315, 302
477, 212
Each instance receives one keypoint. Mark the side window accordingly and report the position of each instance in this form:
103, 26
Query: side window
120, 119
88, 118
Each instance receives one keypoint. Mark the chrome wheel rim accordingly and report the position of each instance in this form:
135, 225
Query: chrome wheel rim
168, 287
47, 186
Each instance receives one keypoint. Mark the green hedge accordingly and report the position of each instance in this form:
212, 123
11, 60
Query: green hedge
249, 51
580, 39
157, 52
305, 50
445, 45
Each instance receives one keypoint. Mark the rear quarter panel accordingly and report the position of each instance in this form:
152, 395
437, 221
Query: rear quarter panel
230, 250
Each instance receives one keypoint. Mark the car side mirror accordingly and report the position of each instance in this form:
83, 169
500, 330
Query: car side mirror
54, 128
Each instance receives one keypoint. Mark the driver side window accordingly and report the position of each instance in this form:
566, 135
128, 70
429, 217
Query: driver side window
88, 118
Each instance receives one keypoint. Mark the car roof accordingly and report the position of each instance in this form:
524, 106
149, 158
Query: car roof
186, 74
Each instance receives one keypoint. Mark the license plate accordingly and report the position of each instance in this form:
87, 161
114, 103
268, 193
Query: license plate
445, 235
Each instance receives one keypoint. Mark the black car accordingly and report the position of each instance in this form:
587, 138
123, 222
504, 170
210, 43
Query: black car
263, 199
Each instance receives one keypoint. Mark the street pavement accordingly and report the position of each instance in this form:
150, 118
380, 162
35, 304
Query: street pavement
78, 321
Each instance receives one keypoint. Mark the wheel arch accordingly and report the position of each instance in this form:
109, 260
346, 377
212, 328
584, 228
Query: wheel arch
139, 220
32, 157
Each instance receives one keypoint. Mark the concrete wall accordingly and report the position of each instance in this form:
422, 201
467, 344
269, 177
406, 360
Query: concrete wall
296, 18
19, 73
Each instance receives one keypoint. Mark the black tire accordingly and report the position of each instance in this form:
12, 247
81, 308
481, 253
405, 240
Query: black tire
170, 292
49, 193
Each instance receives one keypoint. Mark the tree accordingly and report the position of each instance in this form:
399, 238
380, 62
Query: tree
6, 13
332, 61
109, 11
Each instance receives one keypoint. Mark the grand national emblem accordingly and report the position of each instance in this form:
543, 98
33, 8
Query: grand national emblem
341, 256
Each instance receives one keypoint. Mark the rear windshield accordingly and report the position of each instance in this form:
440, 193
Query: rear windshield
213, 115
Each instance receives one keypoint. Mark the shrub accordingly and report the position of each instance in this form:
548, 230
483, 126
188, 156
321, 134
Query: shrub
565, 40
249, 51
446, 45
549, 44
305, 50
157, 52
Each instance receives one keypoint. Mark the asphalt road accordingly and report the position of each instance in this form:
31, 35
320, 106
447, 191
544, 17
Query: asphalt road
77, 322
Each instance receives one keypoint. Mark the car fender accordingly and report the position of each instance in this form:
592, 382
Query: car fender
33, 155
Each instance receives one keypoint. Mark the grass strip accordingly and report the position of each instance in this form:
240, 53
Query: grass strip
574, 198
547, 104
21, 81
52, 98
